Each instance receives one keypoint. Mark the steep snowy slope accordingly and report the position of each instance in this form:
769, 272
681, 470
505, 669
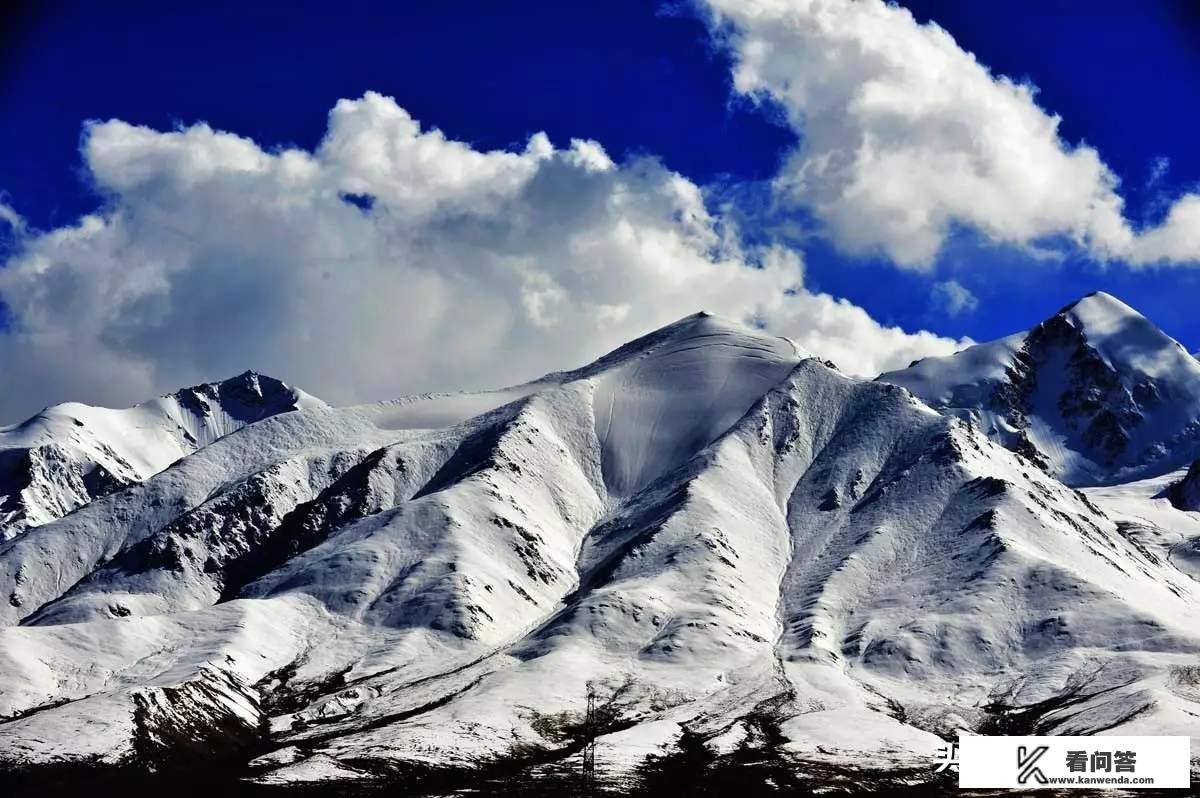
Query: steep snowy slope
1149, 514
1094, 394
734, 545
69, 454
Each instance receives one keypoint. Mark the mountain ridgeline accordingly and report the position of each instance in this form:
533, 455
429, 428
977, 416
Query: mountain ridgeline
69, 454
1094, 394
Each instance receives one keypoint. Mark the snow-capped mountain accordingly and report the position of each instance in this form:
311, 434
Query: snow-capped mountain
741, 551
69, 454
1095, 394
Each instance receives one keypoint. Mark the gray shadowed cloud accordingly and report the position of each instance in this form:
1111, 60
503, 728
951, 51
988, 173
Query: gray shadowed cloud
449, 268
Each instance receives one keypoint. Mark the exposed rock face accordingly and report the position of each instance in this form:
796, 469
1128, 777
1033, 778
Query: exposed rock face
1185, 494
1094, 394
70, 454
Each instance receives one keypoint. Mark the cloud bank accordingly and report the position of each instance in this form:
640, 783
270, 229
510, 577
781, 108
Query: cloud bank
905, 137
390, 260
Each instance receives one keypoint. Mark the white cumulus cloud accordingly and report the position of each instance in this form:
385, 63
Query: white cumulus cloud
905, 136
451, 268
954, 298
1176, 240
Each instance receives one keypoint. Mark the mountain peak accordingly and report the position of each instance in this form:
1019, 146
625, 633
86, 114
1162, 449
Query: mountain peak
1093, 392
246, 397
702, 322
71, 453
668, 394
1099, 309
1099, 299
701, 330
1127, 340
248, 380
1104, 320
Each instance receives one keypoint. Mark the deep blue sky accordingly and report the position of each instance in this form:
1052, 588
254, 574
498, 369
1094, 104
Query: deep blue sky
1122, 75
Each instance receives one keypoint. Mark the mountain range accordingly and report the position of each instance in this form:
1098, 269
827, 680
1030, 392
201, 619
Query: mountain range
752, 563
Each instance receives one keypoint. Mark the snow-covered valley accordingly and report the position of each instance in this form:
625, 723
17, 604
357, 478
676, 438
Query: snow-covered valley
732, 544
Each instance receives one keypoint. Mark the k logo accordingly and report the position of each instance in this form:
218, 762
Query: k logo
1027, 764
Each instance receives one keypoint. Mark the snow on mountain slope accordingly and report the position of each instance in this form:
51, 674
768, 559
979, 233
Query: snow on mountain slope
1095, 394
69, 454
729, 541
1148, 518
1156, 515
653, 412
